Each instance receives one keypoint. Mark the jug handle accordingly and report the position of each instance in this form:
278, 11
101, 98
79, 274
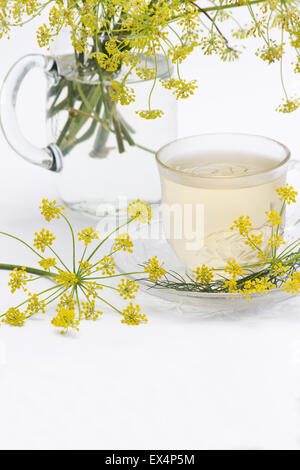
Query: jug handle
49, 157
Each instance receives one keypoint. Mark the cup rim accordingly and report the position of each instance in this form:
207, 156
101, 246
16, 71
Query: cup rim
192, 175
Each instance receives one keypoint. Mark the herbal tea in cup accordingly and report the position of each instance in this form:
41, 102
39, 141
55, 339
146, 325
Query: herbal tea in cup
208, 182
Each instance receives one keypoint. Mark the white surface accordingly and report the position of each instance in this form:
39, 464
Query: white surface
175, 383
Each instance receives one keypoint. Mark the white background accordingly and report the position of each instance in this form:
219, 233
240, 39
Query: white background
175, 383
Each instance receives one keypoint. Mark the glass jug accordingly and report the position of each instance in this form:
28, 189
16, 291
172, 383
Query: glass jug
93, 176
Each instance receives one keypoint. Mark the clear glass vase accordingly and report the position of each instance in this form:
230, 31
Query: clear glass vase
103, 152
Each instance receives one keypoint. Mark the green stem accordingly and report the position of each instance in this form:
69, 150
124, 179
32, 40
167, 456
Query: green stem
108, 287
38, 272
107, 237
69, 121
288, 249
107, 303
98, 262
115, 122
113, 275
22, 241
81, 288
235, 5
67, 139
85, 101
154, 83
61, 290
277, 229
82, 257
73, 241
145, 148
281, 71
27, 300
58, 257
78, 302
292, 258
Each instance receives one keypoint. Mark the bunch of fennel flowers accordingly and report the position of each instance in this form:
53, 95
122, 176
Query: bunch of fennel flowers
277, 266
113, 36
78, 289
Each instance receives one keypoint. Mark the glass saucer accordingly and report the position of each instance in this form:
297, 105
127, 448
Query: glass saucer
149, 241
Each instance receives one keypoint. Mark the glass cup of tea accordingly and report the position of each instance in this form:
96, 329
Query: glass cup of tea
210, 180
